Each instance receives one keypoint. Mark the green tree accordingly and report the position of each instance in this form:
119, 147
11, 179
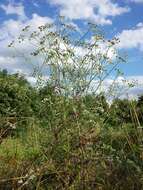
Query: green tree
120, 112
15, 96
140, 108
18, 103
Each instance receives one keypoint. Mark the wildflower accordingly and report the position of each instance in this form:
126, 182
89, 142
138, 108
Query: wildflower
32, 177
20, 181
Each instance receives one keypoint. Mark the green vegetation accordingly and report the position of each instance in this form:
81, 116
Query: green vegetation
67, 143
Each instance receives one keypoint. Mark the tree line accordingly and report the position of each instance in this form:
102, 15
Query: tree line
18, 98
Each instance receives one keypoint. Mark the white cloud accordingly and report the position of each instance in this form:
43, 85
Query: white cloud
132, 38
94, 10
14, 65
119, 88
38, 21
11, 29
36, 4
17, 9
134, 92
32, 80
140, 24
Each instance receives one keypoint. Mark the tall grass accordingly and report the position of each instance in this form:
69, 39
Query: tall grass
73, 150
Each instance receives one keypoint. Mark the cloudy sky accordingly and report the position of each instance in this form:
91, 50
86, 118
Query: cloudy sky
120, 18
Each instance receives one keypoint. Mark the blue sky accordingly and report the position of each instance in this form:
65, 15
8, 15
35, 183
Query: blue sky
121, 18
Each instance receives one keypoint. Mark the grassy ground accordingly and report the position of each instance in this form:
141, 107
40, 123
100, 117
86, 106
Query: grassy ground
72, 152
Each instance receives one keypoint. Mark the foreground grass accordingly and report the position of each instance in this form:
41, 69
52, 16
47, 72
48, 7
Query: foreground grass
74, 157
